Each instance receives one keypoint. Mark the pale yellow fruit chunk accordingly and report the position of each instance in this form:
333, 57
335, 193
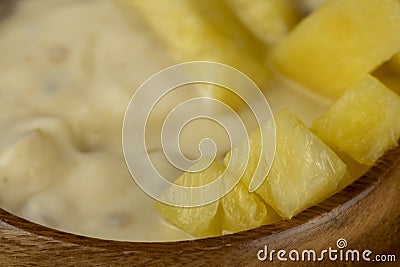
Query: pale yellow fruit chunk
364, 122
204, 30
268, 20
304, 172
339, 43
242, 210
238, 210
200, 221
258, 155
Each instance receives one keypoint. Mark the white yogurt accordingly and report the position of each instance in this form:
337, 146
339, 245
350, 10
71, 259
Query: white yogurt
67, 72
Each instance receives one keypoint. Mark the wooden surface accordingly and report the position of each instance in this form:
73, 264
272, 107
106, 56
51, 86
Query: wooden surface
366, 214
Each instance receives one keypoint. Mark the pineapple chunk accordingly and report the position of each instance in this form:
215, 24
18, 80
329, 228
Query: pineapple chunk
364, 122
200, 221
354, 169
204, 30
237, 156
243, 210
339, 44
268, 20
238, 210
305, 171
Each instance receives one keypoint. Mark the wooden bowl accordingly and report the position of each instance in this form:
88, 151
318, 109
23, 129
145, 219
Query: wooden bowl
366, 214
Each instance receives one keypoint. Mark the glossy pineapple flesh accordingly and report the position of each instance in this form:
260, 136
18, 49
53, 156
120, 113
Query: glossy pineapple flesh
304, 172
364, 122
242, 210
200, 221
257, 155
329, 51
339, 43
238, 210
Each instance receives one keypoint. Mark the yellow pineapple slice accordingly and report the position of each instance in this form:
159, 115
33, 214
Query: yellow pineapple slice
304, 172
237, 155
204, 30
238, 210
242, 210
364, 122
339, 43
200, 221
268, 20
354, 169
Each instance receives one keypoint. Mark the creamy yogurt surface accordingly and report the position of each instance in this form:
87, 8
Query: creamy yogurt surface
68, 69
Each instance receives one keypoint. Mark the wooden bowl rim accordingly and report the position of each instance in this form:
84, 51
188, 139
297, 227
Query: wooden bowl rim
318, 214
